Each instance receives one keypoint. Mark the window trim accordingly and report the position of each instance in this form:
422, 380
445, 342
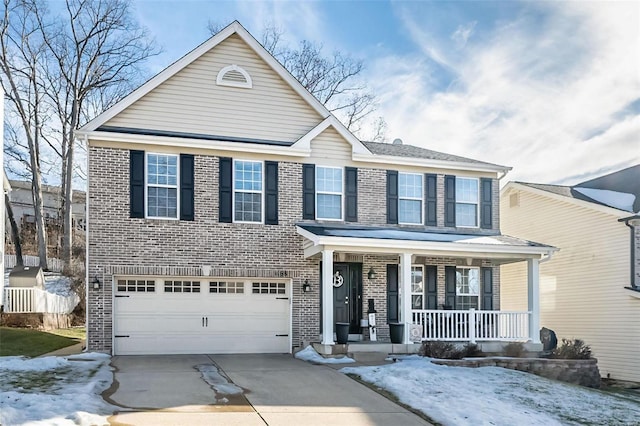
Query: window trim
342, 197
479, 285
423, 292
421, 199
234, 190
146, 186
477, 204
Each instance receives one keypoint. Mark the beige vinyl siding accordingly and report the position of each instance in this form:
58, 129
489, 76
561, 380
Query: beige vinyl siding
582, 291
191, 102
329, 145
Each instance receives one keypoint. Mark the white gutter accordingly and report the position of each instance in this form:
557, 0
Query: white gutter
426, 162
195, 143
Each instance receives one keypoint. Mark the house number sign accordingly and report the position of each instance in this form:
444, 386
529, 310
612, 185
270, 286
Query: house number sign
338, 279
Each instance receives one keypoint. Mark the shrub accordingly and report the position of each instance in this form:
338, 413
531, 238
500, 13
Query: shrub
441, 350
471, 350
572, 349
514, 349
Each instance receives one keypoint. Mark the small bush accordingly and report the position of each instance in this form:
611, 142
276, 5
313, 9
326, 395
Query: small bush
471, 350
514, 349
441, 350
572, 349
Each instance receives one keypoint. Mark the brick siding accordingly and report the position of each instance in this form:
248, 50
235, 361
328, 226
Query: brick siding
116, 240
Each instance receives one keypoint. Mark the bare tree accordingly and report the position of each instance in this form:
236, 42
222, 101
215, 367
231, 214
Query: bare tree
59, 71
23, 56
98, 49
335, 80
15, 233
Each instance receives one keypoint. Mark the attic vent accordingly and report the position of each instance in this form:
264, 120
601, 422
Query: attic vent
234, 76
514, 199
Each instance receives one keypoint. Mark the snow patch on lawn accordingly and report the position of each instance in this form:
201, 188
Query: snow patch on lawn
495, 396
309, 354
61, 391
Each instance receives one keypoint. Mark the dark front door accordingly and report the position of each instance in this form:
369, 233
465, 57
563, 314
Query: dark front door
347, 295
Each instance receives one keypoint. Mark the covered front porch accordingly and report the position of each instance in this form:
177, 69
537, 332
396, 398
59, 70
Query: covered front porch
435, 285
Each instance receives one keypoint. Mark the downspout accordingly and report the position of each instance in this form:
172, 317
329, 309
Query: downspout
632, 263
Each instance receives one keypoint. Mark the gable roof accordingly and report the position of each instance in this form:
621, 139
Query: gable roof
600, 191
234, 28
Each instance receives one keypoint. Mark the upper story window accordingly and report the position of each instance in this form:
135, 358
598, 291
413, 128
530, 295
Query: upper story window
467, 199
410, 195
162, 186
247, 191
467, 288
329, 193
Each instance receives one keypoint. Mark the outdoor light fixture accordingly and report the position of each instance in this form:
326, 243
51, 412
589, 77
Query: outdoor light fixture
371, 274
96, 283
306, 286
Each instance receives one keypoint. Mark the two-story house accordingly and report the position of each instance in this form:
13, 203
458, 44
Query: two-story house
230, 211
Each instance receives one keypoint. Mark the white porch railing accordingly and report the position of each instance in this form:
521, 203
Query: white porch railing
473, 325
32, 299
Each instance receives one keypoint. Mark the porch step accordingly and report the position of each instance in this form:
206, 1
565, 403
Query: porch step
369, 357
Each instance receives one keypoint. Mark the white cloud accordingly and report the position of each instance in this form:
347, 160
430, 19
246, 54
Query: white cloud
530, 95
462, 34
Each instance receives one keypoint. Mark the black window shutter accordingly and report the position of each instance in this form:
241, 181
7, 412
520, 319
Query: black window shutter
431, 200
450, 287
351, 194
136, 184
392, 293
392, 196
449, 201
226, 195
186, 187
271, 193
308, 191
486, 191
431, 287
487, 288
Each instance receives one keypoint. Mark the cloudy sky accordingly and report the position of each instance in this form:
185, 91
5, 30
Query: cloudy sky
549, 88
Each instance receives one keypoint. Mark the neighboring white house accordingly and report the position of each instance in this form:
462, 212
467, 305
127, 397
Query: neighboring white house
590, 289
22, 204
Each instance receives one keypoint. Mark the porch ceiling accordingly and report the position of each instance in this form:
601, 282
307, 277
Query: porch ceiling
386, 240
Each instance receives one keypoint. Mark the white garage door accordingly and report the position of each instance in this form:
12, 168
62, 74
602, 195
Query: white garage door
192, 316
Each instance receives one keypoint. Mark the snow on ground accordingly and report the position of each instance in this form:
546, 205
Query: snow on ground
310, 354
60, 391
53, 282
495, 396
217, 381
58, 284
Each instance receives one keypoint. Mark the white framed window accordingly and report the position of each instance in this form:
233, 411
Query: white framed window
417, 287
248, 178
467, 288
182, 286
138, 286
268, 288
410, 197
329, 190
161, 189
228, 287
467, 201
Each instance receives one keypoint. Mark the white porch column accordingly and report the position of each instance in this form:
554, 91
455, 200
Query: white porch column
533, 290
405, 282
327, 297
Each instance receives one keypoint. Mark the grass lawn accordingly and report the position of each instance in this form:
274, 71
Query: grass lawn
21, 341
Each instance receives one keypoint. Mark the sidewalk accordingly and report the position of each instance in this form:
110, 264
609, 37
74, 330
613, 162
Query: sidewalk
69, 350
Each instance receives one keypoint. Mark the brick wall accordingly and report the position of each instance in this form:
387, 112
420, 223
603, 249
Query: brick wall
117, 240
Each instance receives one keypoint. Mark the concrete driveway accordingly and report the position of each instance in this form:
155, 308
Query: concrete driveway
244, 390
